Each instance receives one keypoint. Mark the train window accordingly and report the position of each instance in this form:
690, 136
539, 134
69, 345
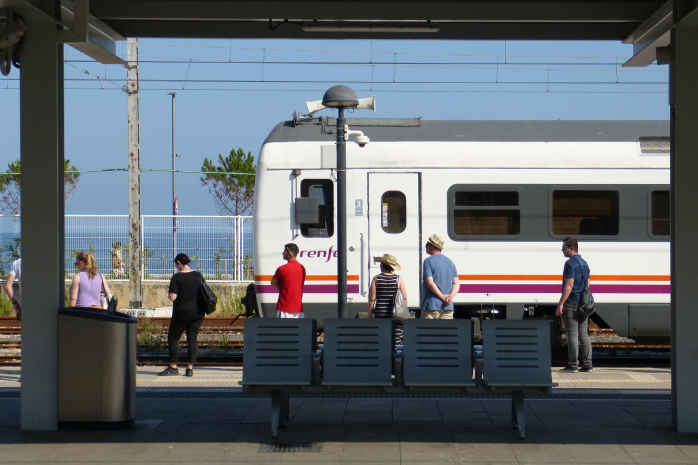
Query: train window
485, 213
586, 213
394, 212
660, 213
323, 190
487, 199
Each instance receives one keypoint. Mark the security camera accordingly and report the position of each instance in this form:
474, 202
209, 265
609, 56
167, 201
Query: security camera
362, 140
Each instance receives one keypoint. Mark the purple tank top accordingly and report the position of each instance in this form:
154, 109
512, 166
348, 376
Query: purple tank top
89, 290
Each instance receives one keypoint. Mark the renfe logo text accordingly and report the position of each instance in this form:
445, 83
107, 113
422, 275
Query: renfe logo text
326, 254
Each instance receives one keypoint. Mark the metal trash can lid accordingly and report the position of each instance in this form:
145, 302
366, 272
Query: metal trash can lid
97, 314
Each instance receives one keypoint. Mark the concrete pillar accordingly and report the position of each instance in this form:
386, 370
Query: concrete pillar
41, 117
683, 95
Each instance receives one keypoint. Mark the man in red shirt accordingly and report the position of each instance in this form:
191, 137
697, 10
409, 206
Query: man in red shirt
289, 280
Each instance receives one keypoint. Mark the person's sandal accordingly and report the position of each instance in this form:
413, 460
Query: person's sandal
189, 372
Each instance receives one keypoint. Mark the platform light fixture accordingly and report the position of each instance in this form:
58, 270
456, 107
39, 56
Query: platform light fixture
341, 98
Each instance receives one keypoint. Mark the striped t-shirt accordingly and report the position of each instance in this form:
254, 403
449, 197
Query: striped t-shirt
386, 287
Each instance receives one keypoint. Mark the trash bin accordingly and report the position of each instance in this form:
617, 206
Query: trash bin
96, 369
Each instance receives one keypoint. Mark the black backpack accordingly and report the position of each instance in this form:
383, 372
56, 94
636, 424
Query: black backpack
586, 305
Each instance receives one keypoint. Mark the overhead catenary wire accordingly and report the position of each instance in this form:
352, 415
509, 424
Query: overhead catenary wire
609, 67
369, 82
378, 52
106, 170
408, 91
185, 60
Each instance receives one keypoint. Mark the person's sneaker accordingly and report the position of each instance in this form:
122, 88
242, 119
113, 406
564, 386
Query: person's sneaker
189, 372
169, 371
569, 370
587, 369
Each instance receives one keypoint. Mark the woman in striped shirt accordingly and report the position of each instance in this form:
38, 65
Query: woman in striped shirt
383, 289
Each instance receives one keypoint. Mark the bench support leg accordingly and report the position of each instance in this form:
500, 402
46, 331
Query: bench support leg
517, 413
284, 416
276, 411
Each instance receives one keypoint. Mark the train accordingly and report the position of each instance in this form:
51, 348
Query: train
502, 194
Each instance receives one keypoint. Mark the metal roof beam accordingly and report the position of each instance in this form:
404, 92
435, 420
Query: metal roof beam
88, 34
653, 33
452, 31
82, 30
635, 11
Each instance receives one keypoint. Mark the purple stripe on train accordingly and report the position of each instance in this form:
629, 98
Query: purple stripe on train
557, 288
311, 289
501, 289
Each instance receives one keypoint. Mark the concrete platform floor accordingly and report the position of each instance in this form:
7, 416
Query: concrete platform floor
366, 431
354, 430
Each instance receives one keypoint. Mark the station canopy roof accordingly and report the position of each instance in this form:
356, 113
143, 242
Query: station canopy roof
642, 23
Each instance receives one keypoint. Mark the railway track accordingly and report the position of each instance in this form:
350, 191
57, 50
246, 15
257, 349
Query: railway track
226, 335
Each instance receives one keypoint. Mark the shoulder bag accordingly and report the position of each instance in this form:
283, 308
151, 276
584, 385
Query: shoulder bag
400, 310
207, 296
109, 301
586, 305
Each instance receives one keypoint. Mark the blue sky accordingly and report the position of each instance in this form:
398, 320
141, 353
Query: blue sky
260, 83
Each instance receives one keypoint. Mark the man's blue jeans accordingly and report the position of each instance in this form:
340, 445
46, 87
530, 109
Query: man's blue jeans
577, 328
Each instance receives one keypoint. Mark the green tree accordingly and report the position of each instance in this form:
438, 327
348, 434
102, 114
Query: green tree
11, 186
232, 193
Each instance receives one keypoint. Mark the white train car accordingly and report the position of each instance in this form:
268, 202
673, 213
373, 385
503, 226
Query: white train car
503, 195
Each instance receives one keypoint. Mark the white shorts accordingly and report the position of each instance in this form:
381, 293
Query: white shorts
280, 314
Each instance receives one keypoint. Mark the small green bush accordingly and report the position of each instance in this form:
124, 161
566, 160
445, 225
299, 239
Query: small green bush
229, 308
6, 308
150, 336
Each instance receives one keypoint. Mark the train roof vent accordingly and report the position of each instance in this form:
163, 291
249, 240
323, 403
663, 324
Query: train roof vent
654, 144
380, 122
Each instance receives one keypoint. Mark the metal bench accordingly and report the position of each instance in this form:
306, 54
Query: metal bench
278, 354
358, 357
516, 360
438, 353
358, 352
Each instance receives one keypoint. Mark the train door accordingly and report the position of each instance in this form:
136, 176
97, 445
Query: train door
394, 214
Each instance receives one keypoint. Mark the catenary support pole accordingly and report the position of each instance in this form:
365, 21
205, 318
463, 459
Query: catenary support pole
683, 97
341, 217
135, 285
43, 266
174, 174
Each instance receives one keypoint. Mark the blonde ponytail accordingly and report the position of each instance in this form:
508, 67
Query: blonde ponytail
91, 267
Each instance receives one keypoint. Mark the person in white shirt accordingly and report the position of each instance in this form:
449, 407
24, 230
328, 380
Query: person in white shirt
14, 275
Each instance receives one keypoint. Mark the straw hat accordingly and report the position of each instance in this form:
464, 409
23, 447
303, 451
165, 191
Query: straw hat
388, 260
436, 241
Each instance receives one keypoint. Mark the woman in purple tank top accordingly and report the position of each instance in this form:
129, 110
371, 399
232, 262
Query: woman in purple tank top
88, 283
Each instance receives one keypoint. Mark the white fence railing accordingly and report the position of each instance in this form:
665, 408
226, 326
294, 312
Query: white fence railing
218, 246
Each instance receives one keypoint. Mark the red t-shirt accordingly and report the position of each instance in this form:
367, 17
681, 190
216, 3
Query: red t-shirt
291, 277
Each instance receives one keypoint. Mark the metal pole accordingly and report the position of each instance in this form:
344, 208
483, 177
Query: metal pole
135, 268
174, 173
341, 217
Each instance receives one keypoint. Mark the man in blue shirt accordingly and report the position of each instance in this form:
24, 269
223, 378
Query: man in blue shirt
574, 276
441, 283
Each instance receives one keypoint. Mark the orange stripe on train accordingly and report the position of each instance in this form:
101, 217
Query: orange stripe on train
545, 277
311, 277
